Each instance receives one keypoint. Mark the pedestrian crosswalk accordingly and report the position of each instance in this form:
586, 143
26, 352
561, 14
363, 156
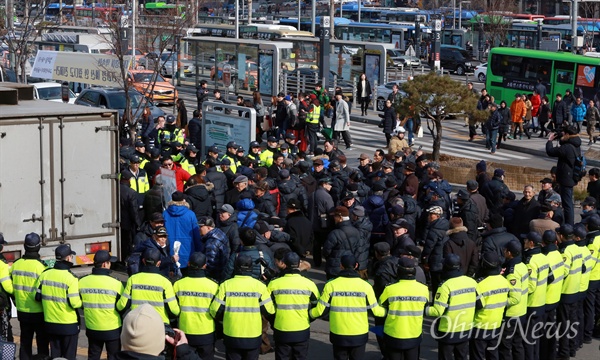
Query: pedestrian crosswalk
368, 138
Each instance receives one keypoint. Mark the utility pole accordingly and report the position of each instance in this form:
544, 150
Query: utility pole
574, 10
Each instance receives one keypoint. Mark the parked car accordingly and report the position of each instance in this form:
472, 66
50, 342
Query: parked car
480, 72
51, 91
114, 98
153, 85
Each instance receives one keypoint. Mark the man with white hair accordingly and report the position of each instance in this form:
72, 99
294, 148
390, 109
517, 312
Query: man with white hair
398, 142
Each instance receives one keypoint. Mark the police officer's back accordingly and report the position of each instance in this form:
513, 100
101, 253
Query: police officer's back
293, 295
239, 303
150, 287
405, 301
195, 292
100, 293
58, 290
25, 272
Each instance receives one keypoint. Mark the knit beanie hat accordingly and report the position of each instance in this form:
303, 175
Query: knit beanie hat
143, 331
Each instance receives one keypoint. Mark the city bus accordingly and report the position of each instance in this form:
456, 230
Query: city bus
306, 23
398, 34
162, 8
252, 31
54, 10
85, 14
589, 32
511, 71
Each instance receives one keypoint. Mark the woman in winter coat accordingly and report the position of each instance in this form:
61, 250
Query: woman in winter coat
460, 244
182, 115
505, 124
342, 120
544, 116
363, 91
375, 210
388, 121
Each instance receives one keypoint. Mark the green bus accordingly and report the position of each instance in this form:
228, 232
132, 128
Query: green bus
162, 8
511, 71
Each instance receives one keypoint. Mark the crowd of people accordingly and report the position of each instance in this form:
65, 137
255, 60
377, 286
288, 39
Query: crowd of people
531, 113
211, 244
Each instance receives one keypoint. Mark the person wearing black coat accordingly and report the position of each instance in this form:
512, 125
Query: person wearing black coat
194, 133
459, 243
388, 121
299, 228
364, 227
434, 239
567, 151
494, 192
227, 222
201, 94
218, 179
560, 112
469, 213
199, 197
343, 240
401, 238
526, 210
146, 230
290, 189
130, 220
154, 200
496, 238
160, 242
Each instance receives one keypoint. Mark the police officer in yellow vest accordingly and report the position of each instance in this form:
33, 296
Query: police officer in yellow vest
266, 156
567, 309
190, 160
348, 298
139, 181
454, 306
493, 289
405, 302
239, 304
231, 154
592, 300
556, 276
254, 153
150, 287
293, 296
58, 290
25, 272
538, 267
195, 293
580, 235
170, 133
515, 271
99, 294
140, 150
312, 123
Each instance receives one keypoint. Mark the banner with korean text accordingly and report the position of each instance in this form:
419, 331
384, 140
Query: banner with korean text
93, 69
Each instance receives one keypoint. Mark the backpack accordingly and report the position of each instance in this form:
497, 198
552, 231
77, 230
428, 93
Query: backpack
277, 196
579, 167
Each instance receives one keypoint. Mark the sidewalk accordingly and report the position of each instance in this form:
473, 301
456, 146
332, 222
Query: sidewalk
534, 146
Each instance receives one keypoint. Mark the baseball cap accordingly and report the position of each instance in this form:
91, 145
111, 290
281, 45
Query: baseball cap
382, 247
532, 236
225, 161
192, 148
226, 208
435, 210
589, 201
565, 229
580, 231
294, 204
135, 159
472, 185
317, 162
290, 136
103, 256
254, 144
400, 224
554, 197
358, 211
213, 149
287, 98
546, 180
363, 156
62, 251
197, 260
151, 255
498, 172
514, 247
271, 139
325, 180
139, 144
240, 179
232, 144
411, 250
262, 227
291, 260
160, 231
463, 194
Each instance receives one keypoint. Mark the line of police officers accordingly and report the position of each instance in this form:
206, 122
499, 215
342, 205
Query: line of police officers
546, 292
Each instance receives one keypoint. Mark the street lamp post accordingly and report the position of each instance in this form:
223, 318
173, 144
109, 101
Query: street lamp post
453, 14
574, 10
460, 13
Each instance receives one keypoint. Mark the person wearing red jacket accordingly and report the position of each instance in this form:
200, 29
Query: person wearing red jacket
536, 102
170, 170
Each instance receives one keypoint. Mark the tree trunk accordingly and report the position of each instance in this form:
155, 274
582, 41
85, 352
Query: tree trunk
437, 139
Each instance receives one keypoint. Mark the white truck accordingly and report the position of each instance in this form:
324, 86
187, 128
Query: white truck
58, 175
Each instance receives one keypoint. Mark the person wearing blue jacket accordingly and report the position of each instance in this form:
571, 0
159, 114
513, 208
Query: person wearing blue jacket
578, 111
182, 227
246, 214
216, 248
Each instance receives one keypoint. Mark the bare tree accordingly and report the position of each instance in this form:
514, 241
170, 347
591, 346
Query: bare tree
20, 39
493, 23
154, 33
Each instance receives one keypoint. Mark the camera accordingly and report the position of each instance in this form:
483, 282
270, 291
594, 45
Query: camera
169, 331
268, 273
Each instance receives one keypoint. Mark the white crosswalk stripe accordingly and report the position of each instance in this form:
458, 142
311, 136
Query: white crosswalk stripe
369, 138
